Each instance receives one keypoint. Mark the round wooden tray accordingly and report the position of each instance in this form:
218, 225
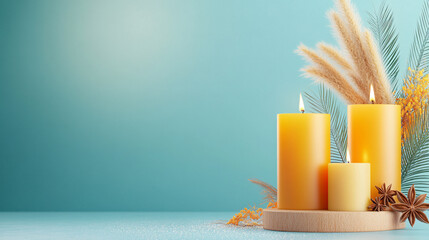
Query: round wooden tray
330, 221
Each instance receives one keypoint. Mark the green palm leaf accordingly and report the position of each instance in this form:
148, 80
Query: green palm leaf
324, 101
415, 149
415, 156
419, 54
381, 23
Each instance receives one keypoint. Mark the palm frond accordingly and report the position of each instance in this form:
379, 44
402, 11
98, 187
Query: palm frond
381, 23
324, 101
419, 54
269, 191
415, 148
415, 155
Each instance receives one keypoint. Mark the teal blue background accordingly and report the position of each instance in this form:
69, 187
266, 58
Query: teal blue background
152, 105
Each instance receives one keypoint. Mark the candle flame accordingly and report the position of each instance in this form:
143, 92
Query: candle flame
348, 156
301, 104
371, 95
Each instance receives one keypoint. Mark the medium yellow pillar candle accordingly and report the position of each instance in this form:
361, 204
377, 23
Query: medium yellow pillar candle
348, 186
303, 154
374, 136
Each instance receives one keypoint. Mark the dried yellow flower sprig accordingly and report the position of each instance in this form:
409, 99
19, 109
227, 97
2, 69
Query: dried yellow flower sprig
250, 217
414, 100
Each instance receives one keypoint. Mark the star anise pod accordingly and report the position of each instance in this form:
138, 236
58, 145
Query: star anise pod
377, 205
411, 207
386, 194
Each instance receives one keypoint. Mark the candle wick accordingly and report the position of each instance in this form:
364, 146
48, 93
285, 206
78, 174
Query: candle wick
302, 111
372, 101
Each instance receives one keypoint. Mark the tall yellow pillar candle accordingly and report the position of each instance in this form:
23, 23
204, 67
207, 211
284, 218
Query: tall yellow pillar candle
303, 154
374, 136
348, 186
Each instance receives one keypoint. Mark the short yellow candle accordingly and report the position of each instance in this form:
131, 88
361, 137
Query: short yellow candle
303, 154
374, 136
348, 186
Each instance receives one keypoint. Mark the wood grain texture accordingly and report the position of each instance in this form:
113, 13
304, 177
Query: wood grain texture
330, 221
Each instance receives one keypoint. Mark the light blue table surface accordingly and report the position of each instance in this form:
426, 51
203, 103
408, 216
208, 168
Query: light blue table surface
161, 225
